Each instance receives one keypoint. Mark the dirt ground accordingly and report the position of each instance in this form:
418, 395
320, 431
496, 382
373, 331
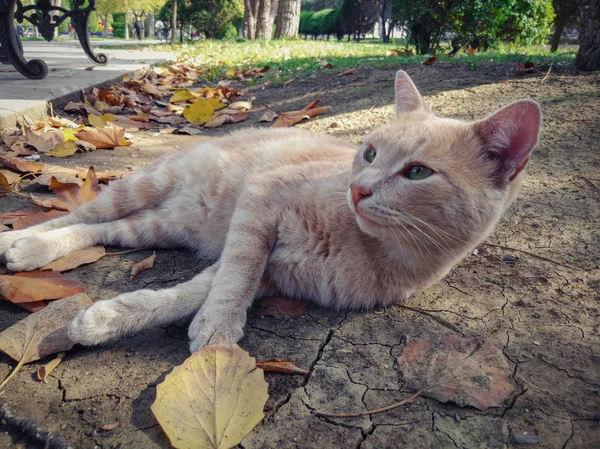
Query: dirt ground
543, 310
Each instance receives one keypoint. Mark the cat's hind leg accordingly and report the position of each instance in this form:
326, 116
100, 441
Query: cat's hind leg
132, 312
144, 190
143, 229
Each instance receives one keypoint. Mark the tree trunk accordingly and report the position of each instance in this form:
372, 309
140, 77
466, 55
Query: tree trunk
151, 30
250, 17
265, 19
174, 22
559, 26
588, 56
288, 18
126, 27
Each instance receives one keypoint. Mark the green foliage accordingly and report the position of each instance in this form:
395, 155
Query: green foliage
477, 23
93, 22
305, 22
215, 19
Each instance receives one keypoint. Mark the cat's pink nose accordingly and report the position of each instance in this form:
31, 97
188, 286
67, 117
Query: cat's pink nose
359, 193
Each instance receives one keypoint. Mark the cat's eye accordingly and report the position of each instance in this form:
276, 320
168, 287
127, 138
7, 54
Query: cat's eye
370, 154
417, 172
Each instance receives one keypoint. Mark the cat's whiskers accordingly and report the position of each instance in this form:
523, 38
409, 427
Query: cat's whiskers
446, 250
412, 237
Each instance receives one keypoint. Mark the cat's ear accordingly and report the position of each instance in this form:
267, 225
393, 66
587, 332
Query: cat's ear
408, 98
509, 135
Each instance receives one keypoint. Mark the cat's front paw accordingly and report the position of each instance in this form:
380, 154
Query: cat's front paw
94, 325
216, 325
7, 239
29, 253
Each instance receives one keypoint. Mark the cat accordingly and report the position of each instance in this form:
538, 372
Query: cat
298, 214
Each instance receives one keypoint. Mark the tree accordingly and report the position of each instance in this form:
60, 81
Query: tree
287, 21
174, 22
259, 16
357, 17
588, 56
426, 21
567, 13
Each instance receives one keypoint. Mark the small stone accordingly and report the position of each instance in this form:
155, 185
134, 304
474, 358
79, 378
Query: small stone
526, 439
537, 343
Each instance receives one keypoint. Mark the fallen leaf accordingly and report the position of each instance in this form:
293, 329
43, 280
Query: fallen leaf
37, 218
61, 122
281, 366
347, 72
5, 184
76, 259
268, 116
21, 165
457, 369
281, 307
291, 118
46, 370
184, 95
241, 105
42, 333
141, 117
109, 427
65, 149
69, 196
104, 137
11, 217
190, 130
90, 68
142, 266
199, 112
100, 121
430, 61
226, 118
46, 141
34, 286
72, 107
212, 400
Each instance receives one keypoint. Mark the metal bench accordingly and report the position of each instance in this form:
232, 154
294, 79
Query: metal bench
46, 17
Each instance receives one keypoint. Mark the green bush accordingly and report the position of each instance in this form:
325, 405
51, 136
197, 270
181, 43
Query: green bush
227, 32
305, 22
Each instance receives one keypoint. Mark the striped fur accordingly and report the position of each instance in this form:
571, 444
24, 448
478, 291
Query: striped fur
274, 210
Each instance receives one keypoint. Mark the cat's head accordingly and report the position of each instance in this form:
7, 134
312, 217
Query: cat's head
439, 185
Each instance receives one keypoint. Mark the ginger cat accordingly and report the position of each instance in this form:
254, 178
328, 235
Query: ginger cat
293, 213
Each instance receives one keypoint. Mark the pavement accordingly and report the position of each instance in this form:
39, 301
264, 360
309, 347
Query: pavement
67, 64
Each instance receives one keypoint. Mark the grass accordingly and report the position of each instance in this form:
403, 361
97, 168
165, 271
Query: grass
289, 58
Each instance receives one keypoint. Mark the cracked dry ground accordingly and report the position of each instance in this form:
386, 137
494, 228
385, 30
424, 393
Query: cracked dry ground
544, 315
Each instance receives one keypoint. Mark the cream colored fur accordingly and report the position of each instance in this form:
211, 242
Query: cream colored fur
274, 210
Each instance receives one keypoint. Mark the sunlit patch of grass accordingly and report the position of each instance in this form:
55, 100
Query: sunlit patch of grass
289, 58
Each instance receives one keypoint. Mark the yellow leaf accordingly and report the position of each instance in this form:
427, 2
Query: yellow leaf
184, 95
101, 105
230, 72
199, 112
68, 148
212, 400
100, 121
69, 134
216, 103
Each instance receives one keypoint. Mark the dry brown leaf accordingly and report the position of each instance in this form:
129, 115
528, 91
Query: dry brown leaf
281, 307
142, 266
104, 137
461, 370
46, 370
35, 286
212, 400
100, 121
347, 72
42, 333
11, 217
141, 117
292, 117
76, 259
36, 218
65, 149
79, 107
241, 105
430, 61
281, 366
21, 165
46, 141
10, 176
109, 427
268, 116
69, 196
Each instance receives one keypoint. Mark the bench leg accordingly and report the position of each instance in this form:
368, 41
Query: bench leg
79, 19
11, 44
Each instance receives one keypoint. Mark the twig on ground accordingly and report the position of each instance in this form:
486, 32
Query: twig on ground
49, 439
126, 251
535, 256
547, 74
591, 184
368, 412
